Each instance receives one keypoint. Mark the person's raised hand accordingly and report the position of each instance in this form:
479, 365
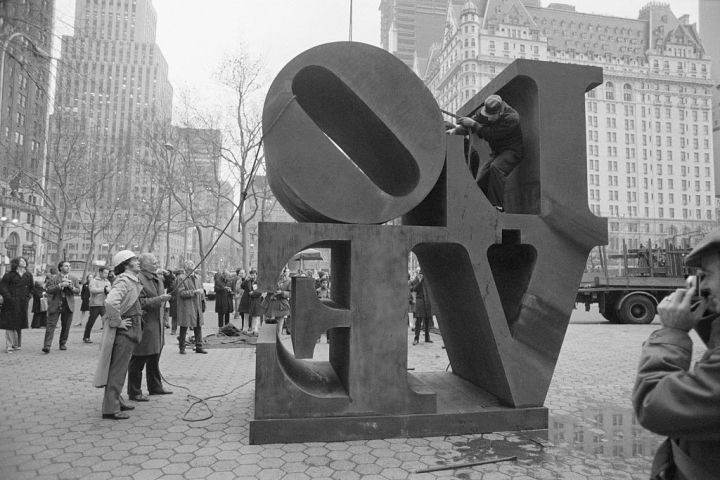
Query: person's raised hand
466, 122
675, 310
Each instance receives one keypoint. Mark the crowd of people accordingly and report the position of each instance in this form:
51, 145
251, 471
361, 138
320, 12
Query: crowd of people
137, 300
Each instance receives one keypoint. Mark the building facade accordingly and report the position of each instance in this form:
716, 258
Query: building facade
649, 126
709, 11
409, 27
112, 115
25, 40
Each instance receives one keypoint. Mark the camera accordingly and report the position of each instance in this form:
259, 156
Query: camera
693, 283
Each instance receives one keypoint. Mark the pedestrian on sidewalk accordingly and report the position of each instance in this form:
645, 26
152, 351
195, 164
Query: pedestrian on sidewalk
147, 352
61, 289
423, 308
223, 298
255, 300
675, 396
170, 283
121, 333
98, 288
16, 289
277, 303
189, 295
39, 307
84, 300
239, 293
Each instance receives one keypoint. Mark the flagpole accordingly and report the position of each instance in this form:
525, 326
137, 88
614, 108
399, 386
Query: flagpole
351, 12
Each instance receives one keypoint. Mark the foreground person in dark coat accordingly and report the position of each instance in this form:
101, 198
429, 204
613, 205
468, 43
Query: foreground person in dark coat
147, 353
670, 397
16, 289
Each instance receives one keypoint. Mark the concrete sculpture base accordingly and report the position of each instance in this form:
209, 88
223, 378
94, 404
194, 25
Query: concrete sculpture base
462, 408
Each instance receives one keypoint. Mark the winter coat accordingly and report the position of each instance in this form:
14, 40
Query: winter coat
85, 297
504, 133
223, 297
16, 291
124, 294
189, 303
246, 286
56, 294
153, 337
671, 398
98, 289
278, 304
37, 294
423, 307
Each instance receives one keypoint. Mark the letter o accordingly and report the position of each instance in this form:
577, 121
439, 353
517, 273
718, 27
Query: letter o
352, 135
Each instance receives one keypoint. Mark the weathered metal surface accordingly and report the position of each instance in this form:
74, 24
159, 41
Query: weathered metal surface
369, 143
503, 284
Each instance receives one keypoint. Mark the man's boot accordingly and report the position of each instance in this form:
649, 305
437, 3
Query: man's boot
427, 339
416, 341
181, 339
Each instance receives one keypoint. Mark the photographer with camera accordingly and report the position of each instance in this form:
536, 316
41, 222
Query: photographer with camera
671, 398
61, 289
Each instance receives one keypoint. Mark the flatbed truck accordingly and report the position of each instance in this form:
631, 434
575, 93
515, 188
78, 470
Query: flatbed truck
645, 277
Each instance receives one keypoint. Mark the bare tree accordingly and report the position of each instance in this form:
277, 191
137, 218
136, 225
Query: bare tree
240, 150
76, 175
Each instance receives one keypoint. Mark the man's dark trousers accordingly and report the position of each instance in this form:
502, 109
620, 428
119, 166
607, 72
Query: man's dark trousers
65, 320
95, 312
152, 374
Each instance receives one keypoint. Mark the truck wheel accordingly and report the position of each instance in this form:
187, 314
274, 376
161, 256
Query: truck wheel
611, 316
637, 309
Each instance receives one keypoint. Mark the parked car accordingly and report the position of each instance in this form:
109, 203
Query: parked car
209, 288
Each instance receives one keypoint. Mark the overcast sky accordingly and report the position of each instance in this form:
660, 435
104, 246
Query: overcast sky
193, 35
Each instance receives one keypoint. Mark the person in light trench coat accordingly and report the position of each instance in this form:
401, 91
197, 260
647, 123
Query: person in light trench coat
121, 333
189, 295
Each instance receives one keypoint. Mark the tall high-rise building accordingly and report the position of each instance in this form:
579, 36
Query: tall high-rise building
709, 11
25, 40
112, 115
409, 27
649, 126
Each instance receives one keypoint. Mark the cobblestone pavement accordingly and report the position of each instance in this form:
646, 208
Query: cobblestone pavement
51, 427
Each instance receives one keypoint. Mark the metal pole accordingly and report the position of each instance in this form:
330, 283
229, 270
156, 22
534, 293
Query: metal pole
2, 61
351, 12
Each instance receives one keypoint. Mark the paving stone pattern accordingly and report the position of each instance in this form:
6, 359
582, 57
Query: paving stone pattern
51, 427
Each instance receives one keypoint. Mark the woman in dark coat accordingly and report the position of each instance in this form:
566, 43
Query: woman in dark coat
16, 288
254, 303
84, 300
39, 315
223, 298
423, 308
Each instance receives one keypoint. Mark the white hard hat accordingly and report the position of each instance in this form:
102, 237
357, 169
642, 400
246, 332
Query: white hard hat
122, 256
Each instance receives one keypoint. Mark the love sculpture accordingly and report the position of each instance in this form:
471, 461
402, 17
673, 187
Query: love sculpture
354, 139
